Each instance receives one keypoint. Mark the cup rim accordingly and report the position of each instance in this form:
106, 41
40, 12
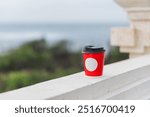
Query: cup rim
92, 49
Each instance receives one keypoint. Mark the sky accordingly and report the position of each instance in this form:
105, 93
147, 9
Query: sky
46, 11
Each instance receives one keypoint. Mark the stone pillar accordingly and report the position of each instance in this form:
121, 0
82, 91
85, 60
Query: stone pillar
134, 40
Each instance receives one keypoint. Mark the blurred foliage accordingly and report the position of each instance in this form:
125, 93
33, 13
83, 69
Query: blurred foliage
37, 61
38, 55
114, 55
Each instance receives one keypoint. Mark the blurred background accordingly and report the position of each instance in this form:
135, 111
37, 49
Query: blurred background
42, 39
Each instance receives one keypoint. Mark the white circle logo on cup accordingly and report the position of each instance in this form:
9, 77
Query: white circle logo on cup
91, 64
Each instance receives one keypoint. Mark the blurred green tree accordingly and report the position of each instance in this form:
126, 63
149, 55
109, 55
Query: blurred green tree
35, 62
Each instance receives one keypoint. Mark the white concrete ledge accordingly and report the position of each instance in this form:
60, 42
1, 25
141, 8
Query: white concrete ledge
129, 79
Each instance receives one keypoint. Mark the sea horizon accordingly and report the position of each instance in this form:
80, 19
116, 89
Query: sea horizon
13, 35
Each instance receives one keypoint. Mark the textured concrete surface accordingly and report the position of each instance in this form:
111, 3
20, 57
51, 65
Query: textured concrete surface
136, 38
133, 3
123, 37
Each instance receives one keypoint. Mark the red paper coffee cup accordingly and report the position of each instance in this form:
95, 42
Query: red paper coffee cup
93, 59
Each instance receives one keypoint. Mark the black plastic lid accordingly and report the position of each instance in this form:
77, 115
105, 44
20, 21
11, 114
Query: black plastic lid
92, 49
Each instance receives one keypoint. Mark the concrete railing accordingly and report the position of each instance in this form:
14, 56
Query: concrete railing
135, 39
129, 79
